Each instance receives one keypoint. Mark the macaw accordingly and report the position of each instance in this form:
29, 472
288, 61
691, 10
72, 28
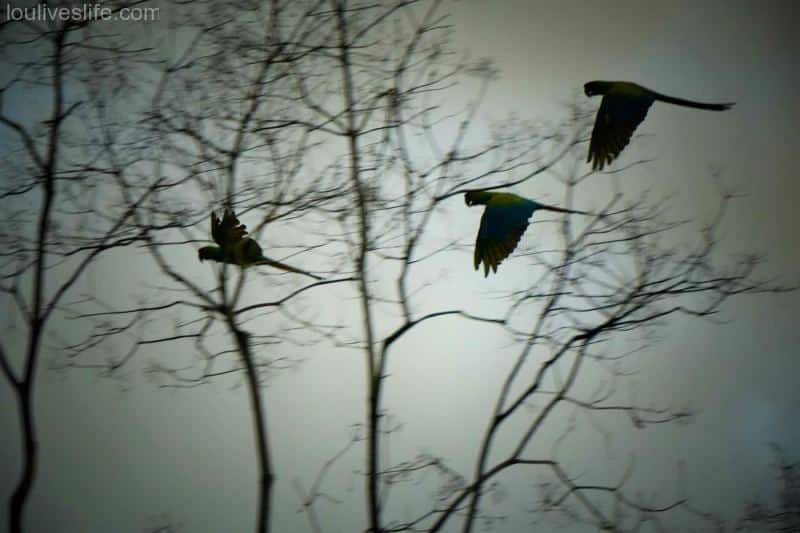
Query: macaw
504, 220
622, 109
236, 248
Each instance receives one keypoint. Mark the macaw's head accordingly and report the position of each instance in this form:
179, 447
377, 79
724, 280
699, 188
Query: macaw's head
209, 252
476, 197
596, 87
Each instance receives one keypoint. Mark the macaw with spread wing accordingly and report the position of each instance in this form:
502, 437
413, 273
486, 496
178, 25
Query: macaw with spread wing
504, 220
236, 248
622, 109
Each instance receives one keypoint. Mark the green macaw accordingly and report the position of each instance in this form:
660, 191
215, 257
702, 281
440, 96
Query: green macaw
236, 248
622, 109
504, 220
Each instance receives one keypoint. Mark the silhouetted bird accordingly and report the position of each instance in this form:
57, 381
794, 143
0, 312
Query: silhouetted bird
504, 220
236, 248
622, 109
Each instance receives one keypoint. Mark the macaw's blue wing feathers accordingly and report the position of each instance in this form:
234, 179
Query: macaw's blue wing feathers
504, 221
617, 119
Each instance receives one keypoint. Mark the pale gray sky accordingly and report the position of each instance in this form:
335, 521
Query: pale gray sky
123, 456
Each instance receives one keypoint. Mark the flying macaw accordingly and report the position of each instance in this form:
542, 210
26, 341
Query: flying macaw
236, 248
622, 109
504, 220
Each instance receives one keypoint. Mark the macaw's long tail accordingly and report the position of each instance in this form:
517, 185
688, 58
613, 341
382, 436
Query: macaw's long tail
284, 266
690, 103
562, 210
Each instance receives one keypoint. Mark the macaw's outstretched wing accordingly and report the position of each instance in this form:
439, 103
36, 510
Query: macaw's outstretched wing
228, 232
501, 229
617, 119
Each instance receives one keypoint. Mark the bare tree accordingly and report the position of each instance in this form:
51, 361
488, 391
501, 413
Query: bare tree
222, 135
57, 217
784, 514
335, 121
596, 283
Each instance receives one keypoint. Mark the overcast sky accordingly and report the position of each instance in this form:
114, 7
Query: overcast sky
124, 456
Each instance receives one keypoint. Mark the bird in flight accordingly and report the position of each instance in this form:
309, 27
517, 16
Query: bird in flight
622, 109
236, 248
504, 220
